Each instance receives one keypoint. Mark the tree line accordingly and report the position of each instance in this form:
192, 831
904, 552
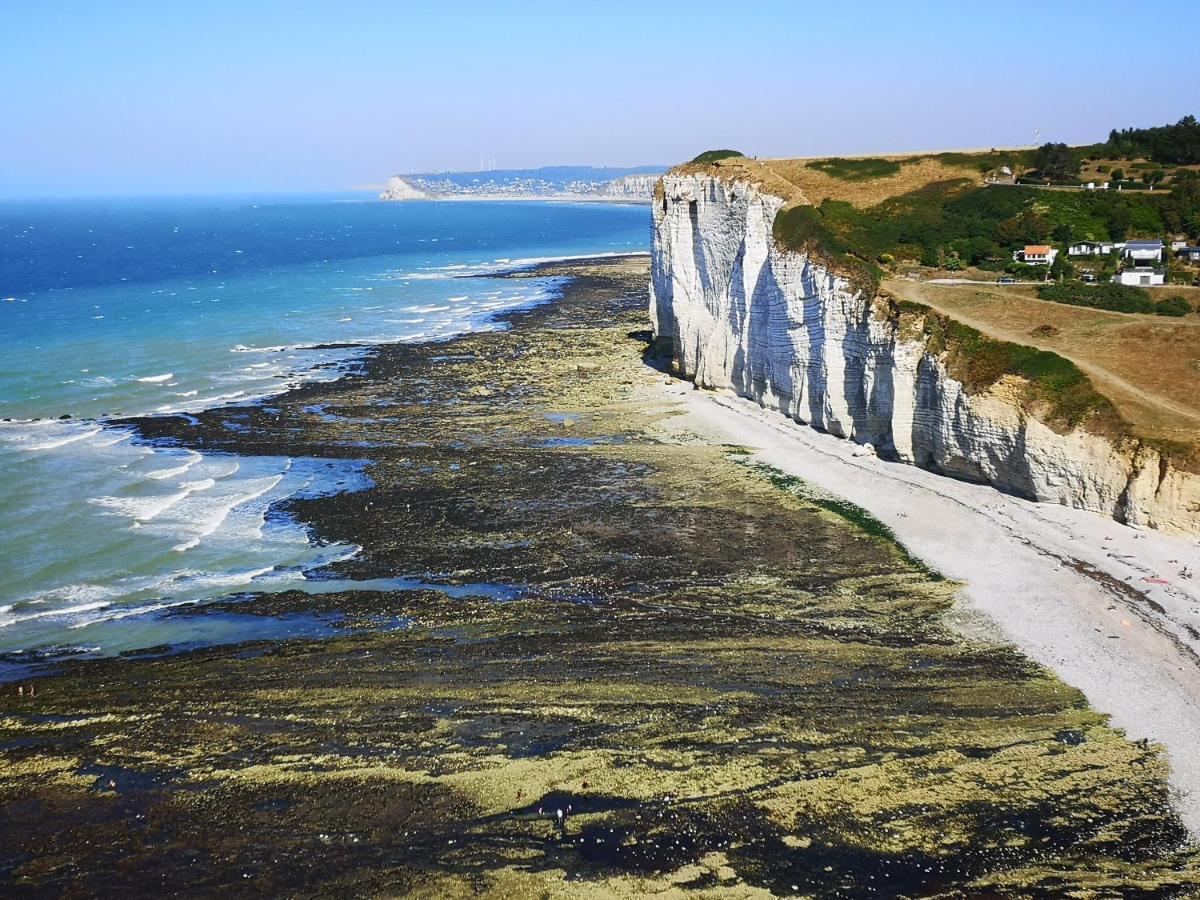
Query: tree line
1177, 144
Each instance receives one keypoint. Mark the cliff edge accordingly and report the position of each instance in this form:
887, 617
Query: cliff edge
798, 333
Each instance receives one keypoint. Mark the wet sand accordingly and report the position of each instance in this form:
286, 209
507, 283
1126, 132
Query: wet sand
729, 686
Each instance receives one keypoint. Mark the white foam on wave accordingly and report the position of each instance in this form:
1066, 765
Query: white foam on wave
212, 518
192, 458
242, 348
60, 439
147, 509
157, 379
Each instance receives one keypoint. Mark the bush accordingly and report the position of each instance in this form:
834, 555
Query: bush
1027, 272
980, 361
856, 169
1111, 297
1173, 306
711, 156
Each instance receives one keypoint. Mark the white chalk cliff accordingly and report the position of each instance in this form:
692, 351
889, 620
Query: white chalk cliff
399, 189
780, 327
635, 187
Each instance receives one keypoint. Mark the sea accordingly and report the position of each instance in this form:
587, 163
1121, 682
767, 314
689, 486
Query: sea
127, 307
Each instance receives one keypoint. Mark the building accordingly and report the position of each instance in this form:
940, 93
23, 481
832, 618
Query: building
1189, 254
1142, 254
1090, 248
1140, 277
1036, 255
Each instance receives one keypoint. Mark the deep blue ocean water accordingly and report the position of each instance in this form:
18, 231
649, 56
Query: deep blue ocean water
127, 307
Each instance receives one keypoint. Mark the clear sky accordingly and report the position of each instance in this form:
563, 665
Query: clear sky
119, 96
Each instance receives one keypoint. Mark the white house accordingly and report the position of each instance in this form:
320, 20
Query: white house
1090, 248
1191, 254
1140, 277
1179, 245
1036, 255
1142, 254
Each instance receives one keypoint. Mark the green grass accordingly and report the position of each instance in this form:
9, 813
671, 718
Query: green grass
712, 156
843, 509
979, 361
805, 228
856, 169
987, 162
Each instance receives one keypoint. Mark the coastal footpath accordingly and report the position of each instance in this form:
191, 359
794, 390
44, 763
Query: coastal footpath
796, 333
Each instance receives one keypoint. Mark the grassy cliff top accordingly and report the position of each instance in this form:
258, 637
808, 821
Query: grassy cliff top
862, 180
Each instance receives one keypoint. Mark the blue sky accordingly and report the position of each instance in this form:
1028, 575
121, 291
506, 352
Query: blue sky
129, 96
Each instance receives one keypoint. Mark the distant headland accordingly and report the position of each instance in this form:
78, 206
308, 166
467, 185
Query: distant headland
629, 185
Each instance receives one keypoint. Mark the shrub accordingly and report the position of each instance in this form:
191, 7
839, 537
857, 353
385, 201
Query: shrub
980, 361
1111, 297
1173, 306
1026, 272
856, 169
711, 156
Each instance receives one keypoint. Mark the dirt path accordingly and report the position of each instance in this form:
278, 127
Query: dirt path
1147, 365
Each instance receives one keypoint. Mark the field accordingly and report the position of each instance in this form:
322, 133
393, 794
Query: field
1148, 366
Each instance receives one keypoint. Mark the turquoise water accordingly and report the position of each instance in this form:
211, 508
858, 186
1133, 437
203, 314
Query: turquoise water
120, 308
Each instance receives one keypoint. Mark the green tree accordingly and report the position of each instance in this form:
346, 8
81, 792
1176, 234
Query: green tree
1118, 174
1118, 221
1058, 266
1055, 161
1154, 177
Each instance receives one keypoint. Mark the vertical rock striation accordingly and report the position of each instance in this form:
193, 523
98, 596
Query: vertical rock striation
783, 328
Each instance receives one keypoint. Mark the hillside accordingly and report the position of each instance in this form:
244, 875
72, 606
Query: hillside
949, 210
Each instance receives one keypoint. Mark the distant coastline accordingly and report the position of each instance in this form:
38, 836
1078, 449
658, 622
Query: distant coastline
542, 198
572, 184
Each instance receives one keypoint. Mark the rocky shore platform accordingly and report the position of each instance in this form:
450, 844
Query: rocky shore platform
582, 652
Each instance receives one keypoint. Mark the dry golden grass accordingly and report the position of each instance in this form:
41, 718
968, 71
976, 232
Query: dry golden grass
1149, 366
793, 180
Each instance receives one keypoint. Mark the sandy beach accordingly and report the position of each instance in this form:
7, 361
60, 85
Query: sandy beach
1101, 604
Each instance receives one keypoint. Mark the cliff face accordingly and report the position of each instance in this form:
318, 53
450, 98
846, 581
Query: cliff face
638, 187
780, 327
399, 189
